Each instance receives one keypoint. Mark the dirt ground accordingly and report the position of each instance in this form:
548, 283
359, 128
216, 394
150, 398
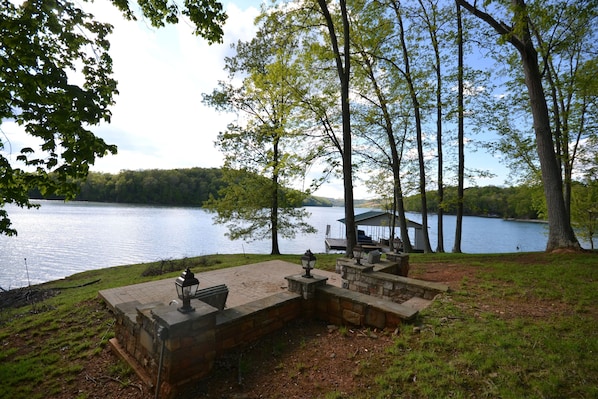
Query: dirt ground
304, 360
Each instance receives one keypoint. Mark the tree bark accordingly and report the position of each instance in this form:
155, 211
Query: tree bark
560, 232
343, 67
275, 250
460, 134
419, 134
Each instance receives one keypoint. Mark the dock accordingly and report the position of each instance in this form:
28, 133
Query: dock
340, 244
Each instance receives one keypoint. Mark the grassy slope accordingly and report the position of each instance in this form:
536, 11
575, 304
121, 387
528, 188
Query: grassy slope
525, 325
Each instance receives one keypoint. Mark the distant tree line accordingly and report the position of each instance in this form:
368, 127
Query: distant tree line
519, 202
510, 202
195, 186
179, 187
173, 187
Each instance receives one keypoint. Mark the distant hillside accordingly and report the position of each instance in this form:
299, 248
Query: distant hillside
193, 186
178, 187
318, 201
172, 187
503, 202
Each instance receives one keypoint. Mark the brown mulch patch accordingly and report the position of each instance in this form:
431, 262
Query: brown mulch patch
98, 381
446, 273
305, 360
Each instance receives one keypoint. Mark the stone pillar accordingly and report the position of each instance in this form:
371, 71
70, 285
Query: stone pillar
189, 345
351, 272
402, 259
306, 287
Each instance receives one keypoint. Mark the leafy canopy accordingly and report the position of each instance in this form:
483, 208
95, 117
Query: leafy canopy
264, 151
56, 83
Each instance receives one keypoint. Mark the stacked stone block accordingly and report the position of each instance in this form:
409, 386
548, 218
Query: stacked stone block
367, 279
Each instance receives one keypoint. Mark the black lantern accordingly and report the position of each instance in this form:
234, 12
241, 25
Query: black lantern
357, 251
308, 260
186, 286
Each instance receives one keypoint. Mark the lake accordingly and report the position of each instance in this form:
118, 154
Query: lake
61, 239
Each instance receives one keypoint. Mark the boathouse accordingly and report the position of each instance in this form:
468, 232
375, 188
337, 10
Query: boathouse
376, 226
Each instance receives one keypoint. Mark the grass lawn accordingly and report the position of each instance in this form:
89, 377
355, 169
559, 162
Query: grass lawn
513, 326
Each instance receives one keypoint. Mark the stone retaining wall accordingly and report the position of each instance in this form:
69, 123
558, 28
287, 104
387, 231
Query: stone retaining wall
194, 340
341, 307
239, 326
371, 280
187, 344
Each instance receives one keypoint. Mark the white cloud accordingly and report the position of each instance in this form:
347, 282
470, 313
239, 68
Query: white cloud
159, 120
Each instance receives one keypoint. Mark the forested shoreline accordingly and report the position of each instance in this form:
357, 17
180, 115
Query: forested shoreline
194, 186
169, 187
518, 202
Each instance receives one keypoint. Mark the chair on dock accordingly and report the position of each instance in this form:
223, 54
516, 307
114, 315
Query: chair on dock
362, 238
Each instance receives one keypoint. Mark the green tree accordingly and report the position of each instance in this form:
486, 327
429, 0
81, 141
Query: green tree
566, 35
566, 38
432, 15
262, 154
379, 118
415, 95
342, 60
519, 35
46, 48
584, 210
207, 16
41, 42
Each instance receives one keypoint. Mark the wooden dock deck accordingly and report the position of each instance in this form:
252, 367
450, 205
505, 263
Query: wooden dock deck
340, 244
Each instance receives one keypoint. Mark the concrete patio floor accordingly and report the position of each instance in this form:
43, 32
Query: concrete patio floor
245, 284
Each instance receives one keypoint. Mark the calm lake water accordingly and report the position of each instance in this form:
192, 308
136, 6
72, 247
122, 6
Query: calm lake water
61, 239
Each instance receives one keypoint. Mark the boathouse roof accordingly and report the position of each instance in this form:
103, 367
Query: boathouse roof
379, 218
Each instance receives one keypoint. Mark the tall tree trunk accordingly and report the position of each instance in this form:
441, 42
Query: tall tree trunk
440, 246
430, 14
560, 232
396, 156
419, 134
460, 134
398, 194
343, 67
274, 200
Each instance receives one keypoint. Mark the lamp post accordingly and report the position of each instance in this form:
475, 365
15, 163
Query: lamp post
357, 251
308, 260
186, 286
